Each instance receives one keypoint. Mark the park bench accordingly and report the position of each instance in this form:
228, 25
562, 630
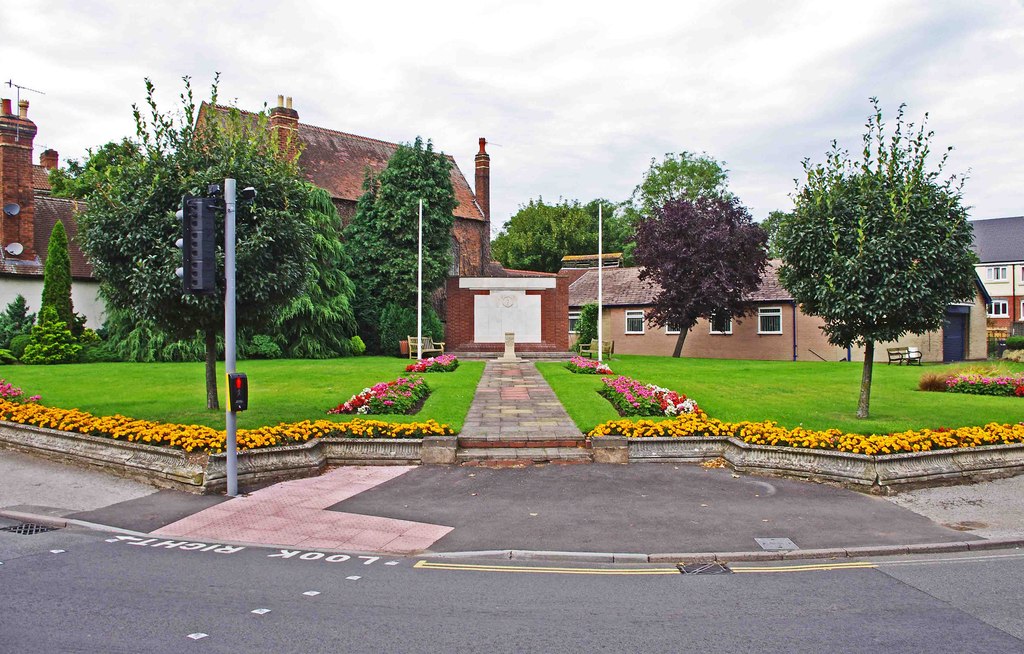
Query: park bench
590, 350
907, 355
430, 347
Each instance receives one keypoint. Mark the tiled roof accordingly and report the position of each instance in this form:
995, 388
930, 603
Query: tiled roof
48, 211
40, 179
623, 287
999, 239
337, 162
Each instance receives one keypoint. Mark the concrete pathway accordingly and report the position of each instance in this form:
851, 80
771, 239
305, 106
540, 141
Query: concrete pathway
293, 513
514, 403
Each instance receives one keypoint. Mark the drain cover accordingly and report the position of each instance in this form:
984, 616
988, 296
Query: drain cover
704, 568
776, 544
27, 529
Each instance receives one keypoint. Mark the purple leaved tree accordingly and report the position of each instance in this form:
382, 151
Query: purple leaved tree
707, 256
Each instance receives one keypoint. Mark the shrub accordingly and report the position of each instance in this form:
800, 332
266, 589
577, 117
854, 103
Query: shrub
934, 382
1014, 355
262, 346
397, 323
98, 353
6, 358
399, 396
586, 326
88, 337
15, 320
1015, 343
19, 343
52, 341
358, 346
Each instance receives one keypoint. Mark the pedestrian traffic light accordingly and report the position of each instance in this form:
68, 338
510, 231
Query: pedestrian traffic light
197, 243
238, 391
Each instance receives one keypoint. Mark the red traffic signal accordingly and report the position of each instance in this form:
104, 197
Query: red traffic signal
238, 391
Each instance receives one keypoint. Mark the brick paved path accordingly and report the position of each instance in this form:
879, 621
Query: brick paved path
514, 403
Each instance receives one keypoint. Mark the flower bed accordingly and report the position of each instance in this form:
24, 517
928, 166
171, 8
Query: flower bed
582, 366
12, 393
634, 398
400, 396
770, 433
980, 384
197, 438
443, 363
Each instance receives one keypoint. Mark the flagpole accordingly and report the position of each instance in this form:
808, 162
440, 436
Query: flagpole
600, 283
419, 288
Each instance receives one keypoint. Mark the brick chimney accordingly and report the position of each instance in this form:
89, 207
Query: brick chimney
483, 197
49, 159
284, 124
16, 135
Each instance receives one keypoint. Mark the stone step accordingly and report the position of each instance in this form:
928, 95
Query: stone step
522, 455
513, 441
531, 356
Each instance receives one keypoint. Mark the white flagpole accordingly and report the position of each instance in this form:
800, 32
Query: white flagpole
600, 283
419, 289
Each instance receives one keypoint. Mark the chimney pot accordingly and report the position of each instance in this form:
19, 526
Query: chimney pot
23, 108
49, 159
288, 102
483, 143
280, 100
7, 111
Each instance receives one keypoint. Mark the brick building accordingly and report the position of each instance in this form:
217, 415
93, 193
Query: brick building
999, 244
29, 217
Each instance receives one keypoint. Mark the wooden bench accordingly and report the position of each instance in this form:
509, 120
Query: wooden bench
907, 355
430, 347
590, 350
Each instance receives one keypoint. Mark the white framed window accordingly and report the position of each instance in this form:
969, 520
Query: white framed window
574, 317
671, 329
999, 309
721, 323
995, 274
769, 320
635, 322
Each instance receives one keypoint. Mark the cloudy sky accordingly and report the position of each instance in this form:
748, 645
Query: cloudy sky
575, 97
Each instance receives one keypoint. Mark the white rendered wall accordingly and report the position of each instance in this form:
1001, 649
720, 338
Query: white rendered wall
84, 295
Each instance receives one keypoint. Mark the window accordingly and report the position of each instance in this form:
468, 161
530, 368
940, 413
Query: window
671, 329
574, 317
769, 320
634, 322
453, 270
999, 309
721, 324
995, 274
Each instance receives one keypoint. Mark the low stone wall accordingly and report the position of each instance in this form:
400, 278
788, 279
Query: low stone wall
881, 474
201, 473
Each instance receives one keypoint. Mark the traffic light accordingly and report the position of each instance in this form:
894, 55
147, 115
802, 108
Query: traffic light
197, 243
238, 391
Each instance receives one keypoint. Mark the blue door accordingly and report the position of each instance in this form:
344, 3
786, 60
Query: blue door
954, 337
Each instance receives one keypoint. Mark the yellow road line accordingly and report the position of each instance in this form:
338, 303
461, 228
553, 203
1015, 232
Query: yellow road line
858, 565
427, 565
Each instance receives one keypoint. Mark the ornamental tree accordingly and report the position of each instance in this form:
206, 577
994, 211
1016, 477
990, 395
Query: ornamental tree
706, 255
382, 237
879, 246
686, 175
129, 228
57, 276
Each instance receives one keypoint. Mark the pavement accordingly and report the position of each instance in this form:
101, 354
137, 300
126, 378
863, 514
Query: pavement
644, 512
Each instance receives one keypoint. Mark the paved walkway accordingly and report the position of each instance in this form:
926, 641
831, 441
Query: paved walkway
514, 403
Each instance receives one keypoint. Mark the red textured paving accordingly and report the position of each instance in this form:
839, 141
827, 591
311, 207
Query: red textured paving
293, 513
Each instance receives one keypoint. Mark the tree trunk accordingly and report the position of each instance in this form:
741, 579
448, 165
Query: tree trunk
865, 380
211, 369
679, 342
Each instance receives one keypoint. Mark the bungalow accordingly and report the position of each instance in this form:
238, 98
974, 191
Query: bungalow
778, 330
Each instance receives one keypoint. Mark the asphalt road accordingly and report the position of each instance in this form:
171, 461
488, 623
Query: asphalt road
72, 590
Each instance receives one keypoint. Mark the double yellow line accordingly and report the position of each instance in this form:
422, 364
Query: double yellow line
809, 567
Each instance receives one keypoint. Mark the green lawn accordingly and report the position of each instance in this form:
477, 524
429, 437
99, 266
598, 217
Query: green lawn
279, 390
817, 395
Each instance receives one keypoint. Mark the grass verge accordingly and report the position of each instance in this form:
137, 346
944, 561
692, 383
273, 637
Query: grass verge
815, 395
281, 390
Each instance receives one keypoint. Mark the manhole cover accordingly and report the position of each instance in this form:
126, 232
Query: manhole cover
776, 544
704, 568
27, 529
